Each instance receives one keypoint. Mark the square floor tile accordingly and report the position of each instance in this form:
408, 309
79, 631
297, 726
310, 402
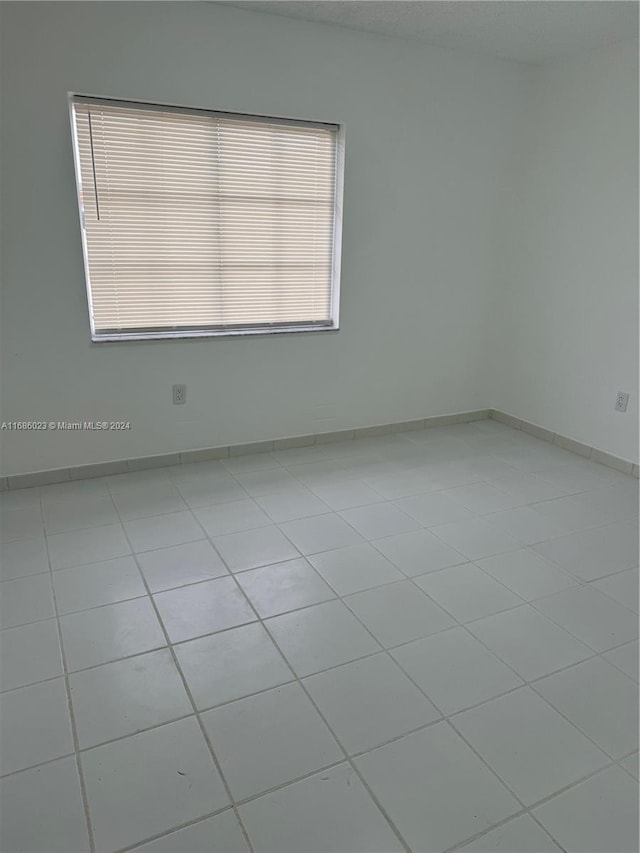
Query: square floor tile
398, 613
526, 525
74, 489
83, 587
600, 701
630, 764
482, 498
432, 508
42, 810
79, 513
267, 740
380, 519
536, 455
327, 813
418, 552
369, 701
527, 574
145, 478
527, 487
300, 451
344, 494
232, 664
320, 637
208, 491
252, 548
251, 462
148, 500
20, 524
599, 814
522, 834
219, 834
231, 517
29, 654
467, 592
321, 472
34, 725
18, 559
178, 565
355, 568
160, 531
528, 744
434, 789
575, 475
284, 586
489, 467
203, 608
622, 587
108, 633
24, 600
321, 533
455, 670
592, 554
625, 658
476, 539
402, 485
93, 545
620, 501
20, 499
528, 642
210, 470
572, 514
446, 466
266, 482
591, 616
148, 783
124, 697
291, 504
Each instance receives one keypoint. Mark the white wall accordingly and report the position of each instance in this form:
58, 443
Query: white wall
490, 252
567, 298
427, 131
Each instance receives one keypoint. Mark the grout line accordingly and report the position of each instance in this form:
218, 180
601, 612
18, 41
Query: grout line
434, 704
72, 720
299, 682
189, 694
390, 649
337, 596
499, 825
527, 683
348, 758
528, 809
73, 754
176, 828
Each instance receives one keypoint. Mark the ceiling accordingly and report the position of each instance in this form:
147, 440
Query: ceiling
530, 31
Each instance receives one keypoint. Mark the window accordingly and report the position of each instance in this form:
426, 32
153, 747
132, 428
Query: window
202, 223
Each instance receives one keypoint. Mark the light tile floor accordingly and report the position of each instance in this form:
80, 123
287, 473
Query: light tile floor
418, 642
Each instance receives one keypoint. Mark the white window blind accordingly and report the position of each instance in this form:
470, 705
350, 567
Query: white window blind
205, 223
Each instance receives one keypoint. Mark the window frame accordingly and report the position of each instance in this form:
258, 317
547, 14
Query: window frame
203, 332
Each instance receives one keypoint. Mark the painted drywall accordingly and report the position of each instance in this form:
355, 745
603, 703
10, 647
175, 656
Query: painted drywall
427, 132
566, 303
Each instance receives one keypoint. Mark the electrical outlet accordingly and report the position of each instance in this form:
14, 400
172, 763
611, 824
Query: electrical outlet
179, 395
621, 401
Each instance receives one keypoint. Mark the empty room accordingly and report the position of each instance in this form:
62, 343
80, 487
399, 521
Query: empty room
319, 427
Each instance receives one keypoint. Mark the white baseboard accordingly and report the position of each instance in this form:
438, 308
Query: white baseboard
121, 466
140, 463
566, 443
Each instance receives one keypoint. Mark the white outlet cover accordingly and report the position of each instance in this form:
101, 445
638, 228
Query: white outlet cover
622, 398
